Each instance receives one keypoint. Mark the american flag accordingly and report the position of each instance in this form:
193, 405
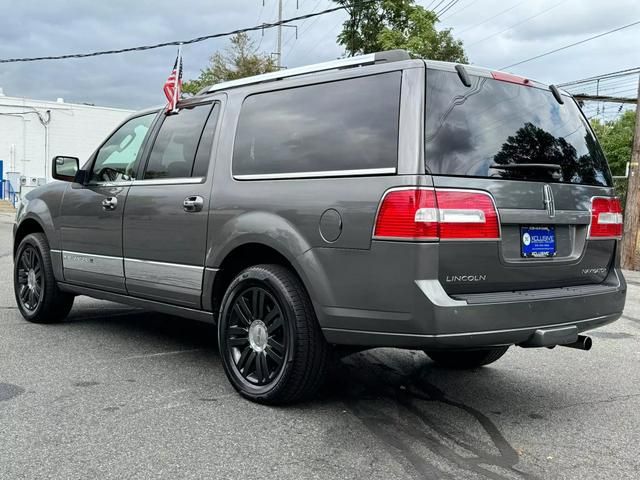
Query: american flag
173, 85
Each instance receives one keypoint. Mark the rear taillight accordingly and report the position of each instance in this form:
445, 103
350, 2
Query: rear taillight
606, 218
441, 214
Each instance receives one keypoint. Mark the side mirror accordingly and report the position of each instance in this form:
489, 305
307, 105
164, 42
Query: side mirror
65, 168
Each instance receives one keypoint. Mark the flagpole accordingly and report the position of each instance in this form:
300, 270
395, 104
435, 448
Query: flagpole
176, 79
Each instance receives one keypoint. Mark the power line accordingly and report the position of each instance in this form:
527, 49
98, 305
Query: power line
446, 7
436, 5
491, 18
618, 73
461, 9
572, 44
186, 42
306, 29
519, 23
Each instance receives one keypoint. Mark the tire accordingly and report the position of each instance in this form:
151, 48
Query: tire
37, 294
272, 348
466, 359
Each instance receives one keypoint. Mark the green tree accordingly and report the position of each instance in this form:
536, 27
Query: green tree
616, 139
240, 60
388, 24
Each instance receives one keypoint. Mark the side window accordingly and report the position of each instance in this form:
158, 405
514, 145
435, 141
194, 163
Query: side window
174, 150
343, 125
117, 159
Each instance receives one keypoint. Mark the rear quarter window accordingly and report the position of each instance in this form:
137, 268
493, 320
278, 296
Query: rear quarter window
343, 125
490, 128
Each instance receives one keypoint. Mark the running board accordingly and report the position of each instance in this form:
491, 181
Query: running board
192, 313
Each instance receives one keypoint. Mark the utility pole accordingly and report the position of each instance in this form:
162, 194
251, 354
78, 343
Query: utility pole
630, 255
279, 49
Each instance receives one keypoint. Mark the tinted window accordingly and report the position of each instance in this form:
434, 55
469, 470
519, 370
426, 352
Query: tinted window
203, 154
117, 159
489, 129
174, 149
343, 125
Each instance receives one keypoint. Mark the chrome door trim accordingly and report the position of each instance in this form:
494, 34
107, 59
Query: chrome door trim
123, 183
93, 263
318, 174
169, 181
162, 273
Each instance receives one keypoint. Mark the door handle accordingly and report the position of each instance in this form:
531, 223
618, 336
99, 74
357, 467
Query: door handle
193, 203
109, 203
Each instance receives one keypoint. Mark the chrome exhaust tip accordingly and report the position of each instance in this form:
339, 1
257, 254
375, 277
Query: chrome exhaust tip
583, 343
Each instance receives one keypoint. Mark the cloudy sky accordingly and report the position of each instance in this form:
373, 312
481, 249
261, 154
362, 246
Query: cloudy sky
496, 33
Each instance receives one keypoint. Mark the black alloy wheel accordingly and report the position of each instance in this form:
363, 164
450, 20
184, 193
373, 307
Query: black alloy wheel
256, 335
30, 278
38, 296
271, 345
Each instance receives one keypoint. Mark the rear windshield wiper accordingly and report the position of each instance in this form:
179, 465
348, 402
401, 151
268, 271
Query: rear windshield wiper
514, 166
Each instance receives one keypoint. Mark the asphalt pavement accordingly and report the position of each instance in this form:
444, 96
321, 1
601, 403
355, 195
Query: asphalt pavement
117, 392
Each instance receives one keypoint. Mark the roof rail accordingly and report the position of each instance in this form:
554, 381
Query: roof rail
368, 59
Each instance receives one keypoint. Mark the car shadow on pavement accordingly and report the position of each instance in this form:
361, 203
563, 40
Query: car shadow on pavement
406, 402
395, 396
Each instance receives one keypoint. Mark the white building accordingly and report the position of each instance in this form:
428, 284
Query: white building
32, 132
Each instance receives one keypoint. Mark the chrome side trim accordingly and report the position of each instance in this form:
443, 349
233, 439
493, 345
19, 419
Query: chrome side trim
169, 181
327, 173
155, 181
161, 273
123, 183
53, 250
90, 262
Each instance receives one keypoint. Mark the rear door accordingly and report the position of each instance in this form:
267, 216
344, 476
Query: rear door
542, 165
165, 217
91, 215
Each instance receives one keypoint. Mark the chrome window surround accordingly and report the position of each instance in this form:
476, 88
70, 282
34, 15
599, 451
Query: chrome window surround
318, 174
155, 181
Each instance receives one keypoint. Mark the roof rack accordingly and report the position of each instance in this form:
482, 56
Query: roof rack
368, 59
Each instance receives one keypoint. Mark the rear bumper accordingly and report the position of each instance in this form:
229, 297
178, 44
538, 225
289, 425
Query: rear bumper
439, 321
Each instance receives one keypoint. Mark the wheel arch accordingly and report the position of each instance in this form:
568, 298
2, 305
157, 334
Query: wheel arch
243, 256
26, 227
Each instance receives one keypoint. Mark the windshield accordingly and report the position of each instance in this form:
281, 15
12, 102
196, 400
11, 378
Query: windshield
504, 130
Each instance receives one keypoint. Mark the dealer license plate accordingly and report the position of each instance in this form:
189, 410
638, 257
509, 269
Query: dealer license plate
537, 241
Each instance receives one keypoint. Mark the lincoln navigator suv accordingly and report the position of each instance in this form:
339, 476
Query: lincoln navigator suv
373, 201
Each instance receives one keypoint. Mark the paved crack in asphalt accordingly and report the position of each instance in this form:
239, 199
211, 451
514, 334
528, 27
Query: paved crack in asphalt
617, 398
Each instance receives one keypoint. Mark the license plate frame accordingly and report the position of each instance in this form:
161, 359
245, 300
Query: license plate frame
538, 241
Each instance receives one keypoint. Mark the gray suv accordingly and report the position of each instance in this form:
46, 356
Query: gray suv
374, 201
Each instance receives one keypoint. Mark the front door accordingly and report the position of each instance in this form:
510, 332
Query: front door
91, 215
166, 215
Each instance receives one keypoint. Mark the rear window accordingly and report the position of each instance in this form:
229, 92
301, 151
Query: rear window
493, 127
344, 125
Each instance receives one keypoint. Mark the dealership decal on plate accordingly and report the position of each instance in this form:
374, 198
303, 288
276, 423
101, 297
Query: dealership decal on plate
537, 241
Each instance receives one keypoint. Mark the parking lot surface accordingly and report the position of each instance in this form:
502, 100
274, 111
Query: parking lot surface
117, 392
